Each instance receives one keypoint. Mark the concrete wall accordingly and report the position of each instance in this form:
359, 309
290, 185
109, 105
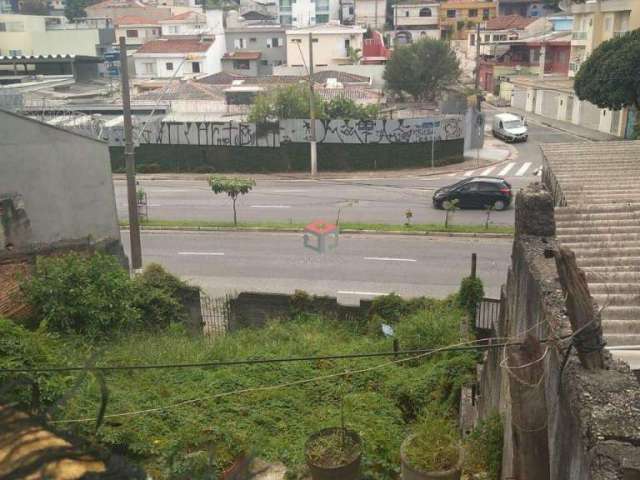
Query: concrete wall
64, 180
592, 419
329, 50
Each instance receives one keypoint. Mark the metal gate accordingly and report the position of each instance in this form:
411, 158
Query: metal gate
216, 313
487, 313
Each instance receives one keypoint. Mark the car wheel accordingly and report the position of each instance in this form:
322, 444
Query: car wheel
499, 205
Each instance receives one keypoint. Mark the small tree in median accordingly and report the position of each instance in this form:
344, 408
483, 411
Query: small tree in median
233, 187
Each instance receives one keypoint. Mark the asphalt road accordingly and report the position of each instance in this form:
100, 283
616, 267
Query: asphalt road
383, 200
361, 266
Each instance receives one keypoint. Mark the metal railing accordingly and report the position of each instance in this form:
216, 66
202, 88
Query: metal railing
487, 314
579, 36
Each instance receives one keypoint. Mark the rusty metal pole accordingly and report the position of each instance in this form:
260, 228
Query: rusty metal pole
130, 162
474, 262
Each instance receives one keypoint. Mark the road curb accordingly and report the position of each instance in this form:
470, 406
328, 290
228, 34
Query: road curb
299, 230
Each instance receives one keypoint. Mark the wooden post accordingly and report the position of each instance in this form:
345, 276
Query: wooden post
474, 262
525, 367
396, 347
585, 322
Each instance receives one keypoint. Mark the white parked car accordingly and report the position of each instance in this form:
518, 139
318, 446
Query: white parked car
510, 128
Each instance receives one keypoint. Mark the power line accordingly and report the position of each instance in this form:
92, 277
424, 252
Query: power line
233, 363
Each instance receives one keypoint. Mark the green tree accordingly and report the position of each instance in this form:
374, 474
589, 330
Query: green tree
355, 55
285, 102
343, 107
421, 69
233, 187
75, 9
610, 77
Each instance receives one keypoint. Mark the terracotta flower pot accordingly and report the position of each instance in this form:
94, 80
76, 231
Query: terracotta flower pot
347, 471
409, 472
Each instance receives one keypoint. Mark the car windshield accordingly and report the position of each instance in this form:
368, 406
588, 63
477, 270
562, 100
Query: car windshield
512, 124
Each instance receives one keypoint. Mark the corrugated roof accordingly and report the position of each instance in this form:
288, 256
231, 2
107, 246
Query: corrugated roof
188, 90
509, 22
181, 45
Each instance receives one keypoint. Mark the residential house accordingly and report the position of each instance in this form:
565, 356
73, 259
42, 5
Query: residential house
498, 30
243, 62
523, 8
27, 35
124, 8
597, 21
415, 19
187, 23
371, 13
458, 16
268, 39
179, 57
332, 44
137, 30
304, 13
374, 51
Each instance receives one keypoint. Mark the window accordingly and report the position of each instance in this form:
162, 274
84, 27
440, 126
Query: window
264, 62
149, 68
239, 43
132, 33
238, 65
274, 42
451, 14
608, 23
500, 38
195, 67
487, 38
425, 12
406, 13
252, 40
169, 66
473, 12
155, 31
173, 29
351, 11
472, 39
347, 45
485, 13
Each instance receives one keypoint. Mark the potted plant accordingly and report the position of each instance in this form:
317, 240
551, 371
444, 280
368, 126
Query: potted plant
334, 454
432, 451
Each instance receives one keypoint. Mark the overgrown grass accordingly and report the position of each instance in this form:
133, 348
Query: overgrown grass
380, 404
344, 226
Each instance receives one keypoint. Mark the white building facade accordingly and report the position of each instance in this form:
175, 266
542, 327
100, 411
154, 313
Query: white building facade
331, 44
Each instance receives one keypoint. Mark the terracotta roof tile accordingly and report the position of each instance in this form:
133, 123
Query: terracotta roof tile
182, 45
508, 22
134, 20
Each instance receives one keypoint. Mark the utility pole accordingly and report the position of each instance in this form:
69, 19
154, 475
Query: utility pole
312, 112
129, 157
478, 101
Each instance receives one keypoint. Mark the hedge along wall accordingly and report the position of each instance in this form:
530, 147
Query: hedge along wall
288, 157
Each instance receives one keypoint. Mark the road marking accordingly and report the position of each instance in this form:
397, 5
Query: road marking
216, 254
289, 191
270, 206
469, 173
488, 171
452, 174
391, 259
523, 169
506, 169
351, 292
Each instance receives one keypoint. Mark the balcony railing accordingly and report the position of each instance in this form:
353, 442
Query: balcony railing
620, 33
579, 36
574, 67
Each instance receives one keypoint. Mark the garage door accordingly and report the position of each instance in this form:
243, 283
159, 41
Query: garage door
550, 104
589, 115
519, 99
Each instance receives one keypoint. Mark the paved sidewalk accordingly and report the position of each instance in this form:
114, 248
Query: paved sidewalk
567, 127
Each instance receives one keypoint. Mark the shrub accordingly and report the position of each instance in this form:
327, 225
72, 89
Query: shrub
149, 168
391, 308
158, 297
483, 448
471, 292
91, 295
430, 328
21, 348
434, 445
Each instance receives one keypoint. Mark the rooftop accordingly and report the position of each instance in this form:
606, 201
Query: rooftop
509, 22
185, 17
183, 90
224, 78
134, 20
242, 55
326, 28
177, 45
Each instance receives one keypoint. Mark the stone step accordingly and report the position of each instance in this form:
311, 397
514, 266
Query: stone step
617, 299
628, 215
612, 276
630, 357
616, 339
617, 313
621, 326
597, 237
599, 197
587, 224
585, 262
607, 252
585, 210
575, 246
598, 269
594, 229
610, 288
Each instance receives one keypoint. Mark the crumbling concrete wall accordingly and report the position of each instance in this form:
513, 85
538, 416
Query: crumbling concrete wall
592, 417
58, 182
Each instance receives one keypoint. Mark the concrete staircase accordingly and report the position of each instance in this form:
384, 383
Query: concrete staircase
599, 187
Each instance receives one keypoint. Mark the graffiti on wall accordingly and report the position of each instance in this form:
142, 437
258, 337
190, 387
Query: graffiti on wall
414, 130
240, 134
